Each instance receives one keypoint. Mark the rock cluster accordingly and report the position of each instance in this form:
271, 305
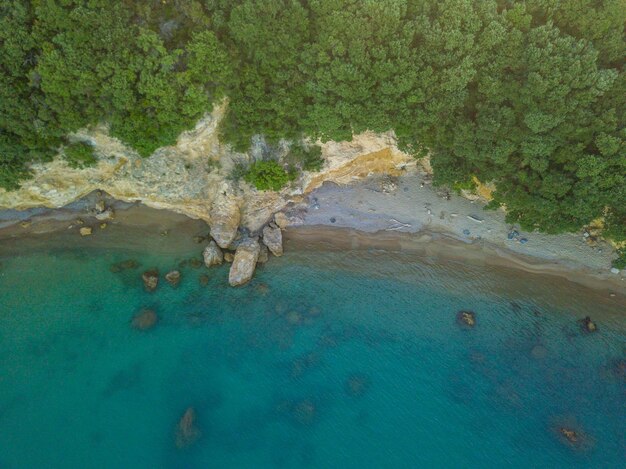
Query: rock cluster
249, 249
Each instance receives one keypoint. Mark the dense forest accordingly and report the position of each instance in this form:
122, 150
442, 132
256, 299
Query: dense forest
528, 94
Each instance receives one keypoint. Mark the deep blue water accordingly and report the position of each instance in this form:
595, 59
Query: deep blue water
325, 360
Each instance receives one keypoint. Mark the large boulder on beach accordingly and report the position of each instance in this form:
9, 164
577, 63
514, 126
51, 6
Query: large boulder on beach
273, 239
150, 279
244, 263
213, 255
225, 218
281, 220
186, 431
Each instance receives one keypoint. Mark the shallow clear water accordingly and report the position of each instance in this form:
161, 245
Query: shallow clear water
325, 360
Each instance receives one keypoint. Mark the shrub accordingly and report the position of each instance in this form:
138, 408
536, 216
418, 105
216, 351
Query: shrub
620, 262
79, 155
268, 175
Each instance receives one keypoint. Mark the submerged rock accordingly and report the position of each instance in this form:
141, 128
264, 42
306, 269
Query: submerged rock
150, 279
466, 318
294, 318
303, 412
195, 263
173, 277
244, 263
124, 265
144, 320
212, 255
357, 385
204, 280
273, 239
588, 325
187, 433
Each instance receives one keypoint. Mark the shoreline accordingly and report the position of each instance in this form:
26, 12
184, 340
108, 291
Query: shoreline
444, 246
427, 244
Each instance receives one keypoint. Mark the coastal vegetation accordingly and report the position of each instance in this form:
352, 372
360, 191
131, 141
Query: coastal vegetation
529, 95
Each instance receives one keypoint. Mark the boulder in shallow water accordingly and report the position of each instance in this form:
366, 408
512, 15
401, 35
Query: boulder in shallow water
195, 263
244, 263
173, 278
213, 255
150, 279
229, 256
144, 320
273, 239
187, 433
588, 325
466, 318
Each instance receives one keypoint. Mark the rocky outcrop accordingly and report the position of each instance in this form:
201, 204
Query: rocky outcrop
273, 239
213, 255
224, 217
244, 263
264, 255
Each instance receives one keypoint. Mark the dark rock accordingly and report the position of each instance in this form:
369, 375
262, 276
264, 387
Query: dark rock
187, 433
144, 320
588, 325
124, 265
173, 278
150, 279
195, 263
229, 256
466, 318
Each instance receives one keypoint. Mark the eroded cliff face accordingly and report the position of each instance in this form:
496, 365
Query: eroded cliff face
191, 177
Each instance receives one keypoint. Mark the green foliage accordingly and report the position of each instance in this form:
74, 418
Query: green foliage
79, 155
307, 158
529, 94
268, 175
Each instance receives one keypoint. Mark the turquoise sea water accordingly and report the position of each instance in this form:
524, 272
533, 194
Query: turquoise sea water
325, 360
